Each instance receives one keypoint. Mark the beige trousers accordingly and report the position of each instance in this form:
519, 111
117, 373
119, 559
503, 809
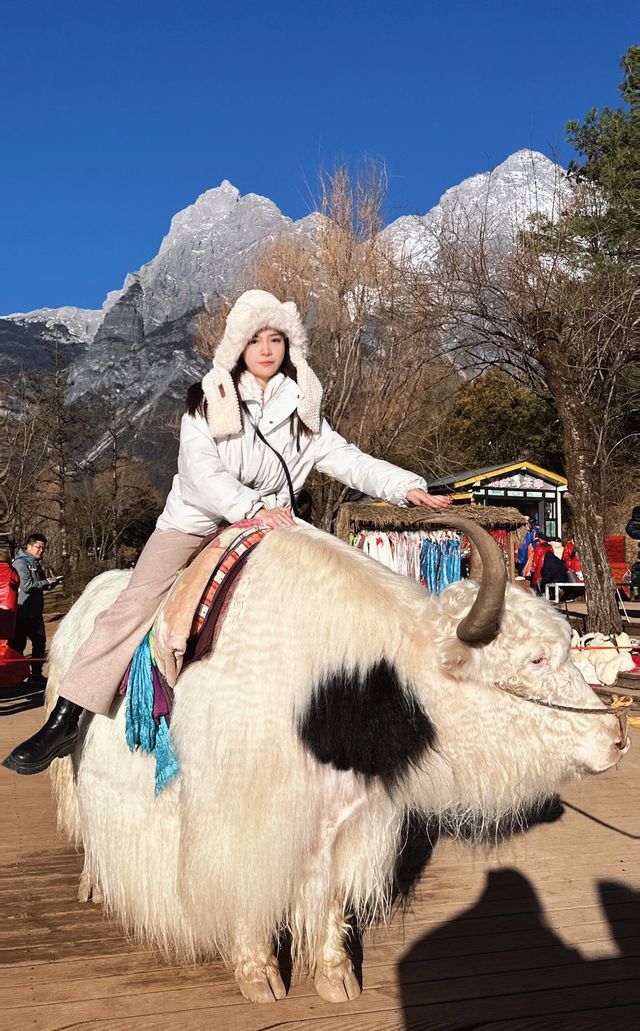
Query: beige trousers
99, 665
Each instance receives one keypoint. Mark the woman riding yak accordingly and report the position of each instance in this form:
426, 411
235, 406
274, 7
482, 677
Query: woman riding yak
260, 394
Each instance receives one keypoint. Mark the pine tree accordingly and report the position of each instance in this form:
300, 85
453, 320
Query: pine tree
609, 170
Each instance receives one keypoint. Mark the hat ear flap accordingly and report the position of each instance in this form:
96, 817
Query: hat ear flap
223, 406
310, 404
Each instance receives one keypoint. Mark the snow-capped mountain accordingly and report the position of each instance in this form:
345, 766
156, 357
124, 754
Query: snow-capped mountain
141, 347
144, 350
80, 323
207, 247
499, 201
203, 255
29, 340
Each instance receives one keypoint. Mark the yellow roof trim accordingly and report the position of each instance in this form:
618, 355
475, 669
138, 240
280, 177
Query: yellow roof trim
509, 469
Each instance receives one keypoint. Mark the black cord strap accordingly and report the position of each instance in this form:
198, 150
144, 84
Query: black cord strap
294, 507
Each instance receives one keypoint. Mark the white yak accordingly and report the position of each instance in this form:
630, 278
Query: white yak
339, 698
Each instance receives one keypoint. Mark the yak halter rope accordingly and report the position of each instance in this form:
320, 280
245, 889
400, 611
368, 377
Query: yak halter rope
618, 708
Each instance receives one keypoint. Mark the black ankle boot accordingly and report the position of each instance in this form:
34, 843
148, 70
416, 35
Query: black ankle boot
57, 738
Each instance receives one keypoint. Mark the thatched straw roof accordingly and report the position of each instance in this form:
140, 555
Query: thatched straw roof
381, 516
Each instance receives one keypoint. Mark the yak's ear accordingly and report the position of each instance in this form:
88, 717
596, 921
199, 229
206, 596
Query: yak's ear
454, 658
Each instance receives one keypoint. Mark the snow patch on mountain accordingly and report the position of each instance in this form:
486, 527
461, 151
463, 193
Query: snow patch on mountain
498, 202
80, 323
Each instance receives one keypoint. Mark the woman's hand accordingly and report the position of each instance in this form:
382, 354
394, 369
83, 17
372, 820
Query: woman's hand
275, 517
420, 497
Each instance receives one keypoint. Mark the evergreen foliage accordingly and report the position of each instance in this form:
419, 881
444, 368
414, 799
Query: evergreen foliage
609, 168
496, 419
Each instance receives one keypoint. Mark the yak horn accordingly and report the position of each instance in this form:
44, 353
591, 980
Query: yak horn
482, 623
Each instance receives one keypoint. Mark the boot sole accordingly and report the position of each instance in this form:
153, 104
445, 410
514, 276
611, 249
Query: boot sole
26, 769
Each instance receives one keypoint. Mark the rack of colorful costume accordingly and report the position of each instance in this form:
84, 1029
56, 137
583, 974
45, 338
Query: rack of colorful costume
432, 557
406, 541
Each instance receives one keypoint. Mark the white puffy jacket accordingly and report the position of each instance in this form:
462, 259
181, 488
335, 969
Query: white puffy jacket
230, 478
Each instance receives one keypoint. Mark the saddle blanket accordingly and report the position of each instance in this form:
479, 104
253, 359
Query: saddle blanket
185, 629
191, 616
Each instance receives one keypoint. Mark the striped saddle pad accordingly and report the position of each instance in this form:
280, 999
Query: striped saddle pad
213, 604
179, 636
191, 616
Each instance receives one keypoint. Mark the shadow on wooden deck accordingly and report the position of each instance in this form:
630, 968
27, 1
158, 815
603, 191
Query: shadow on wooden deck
517, 970
20, 697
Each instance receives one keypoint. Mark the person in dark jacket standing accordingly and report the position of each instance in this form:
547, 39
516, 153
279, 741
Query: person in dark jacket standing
33, 584
553, 571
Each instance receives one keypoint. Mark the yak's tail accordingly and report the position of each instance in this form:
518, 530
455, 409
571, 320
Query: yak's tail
62, 774
72, 632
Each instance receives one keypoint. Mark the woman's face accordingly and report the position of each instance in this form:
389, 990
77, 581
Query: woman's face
264, 354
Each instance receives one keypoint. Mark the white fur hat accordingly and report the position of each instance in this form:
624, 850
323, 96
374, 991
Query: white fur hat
255, 310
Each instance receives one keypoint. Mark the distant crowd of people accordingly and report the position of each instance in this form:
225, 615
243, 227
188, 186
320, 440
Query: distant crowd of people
538, 562
23, 583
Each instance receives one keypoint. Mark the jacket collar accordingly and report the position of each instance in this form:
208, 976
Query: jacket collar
251, 390
280, 398
25, 554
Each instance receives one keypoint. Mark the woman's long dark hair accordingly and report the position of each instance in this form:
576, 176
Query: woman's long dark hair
197, 402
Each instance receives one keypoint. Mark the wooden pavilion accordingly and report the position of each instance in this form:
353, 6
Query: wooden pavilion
521, 485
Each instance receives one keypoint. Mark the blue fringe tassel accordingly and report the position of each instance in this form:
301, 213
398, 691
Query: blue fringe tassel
142, 730
167, 762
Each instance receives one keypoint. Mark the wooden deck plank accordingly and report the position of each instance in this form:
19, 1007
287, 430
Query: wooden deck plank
537, 933
485, 977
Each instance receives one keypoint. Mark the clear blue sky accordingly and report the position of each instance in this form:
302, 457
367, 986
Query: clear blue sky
115, 115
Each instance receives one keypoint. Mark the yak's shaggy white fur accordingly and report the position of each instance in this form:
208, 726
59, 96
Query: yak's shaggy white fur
255, 834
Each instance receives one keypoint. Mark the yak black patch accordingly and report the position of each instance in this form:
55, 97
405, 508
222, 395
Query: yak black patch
366, 723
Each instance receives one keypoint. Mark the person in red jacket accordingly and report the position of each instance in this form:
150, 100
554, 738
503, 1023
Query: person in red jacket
12, 671
572, 562
9, 586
